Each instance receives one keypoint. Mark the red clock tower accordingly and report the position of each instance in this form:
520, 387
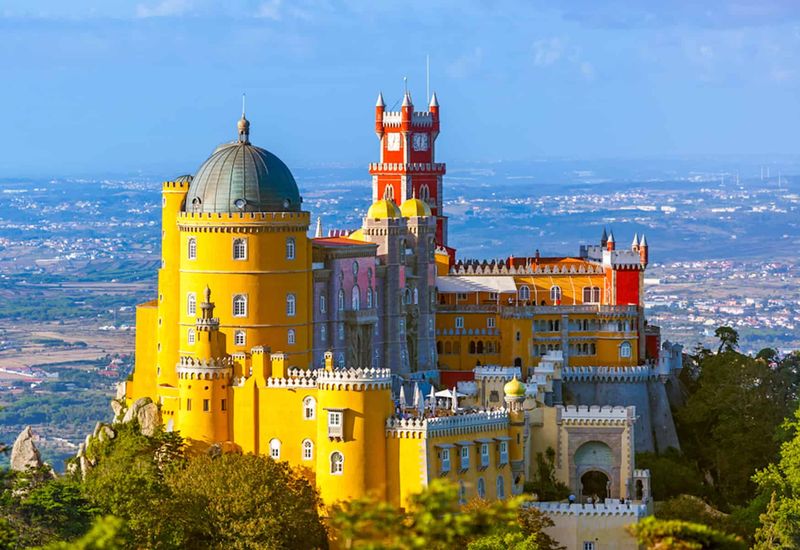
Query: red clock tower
407, 167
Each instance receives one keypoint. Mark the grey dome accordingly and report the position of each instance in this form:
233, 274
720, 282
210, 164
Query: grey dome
240, 177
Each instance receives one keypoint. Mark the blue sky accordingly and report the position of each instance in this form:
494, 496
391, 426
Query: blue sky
93, 87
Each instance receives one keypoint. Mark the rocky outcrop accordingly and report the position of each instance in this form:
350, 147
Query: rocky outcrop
24, 454
145, 412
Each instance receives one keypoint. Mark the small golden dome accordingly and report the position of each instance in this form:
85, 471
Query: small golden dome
414, 207
514, 388
384, 208
357, 235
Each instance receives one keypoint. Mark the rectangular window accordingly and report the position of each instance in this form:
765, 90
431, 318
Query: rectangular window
239, 249
188, 404
461, 296
459, 322
588, 545
224, 405
493, 295
239, 338
490, 322
290, 248
335, 421
503, 452
445, 455
465, 458
206, 405
484, 455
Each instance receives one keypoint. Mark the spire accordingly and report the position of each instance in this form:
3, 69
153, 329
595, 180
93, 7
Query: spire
611, 237
402, 397
604, 237
318, 232
643, 242
635, 243
243, 125
380, 102
434, 101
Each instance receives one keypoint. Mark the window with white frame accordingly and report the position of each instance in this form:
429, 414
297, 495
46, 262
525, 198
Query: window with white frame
484, 455
481, 488
591, 294
464, 457
355, 302
461, 296
290, 248
308, 449
503, 448
291, 305
588, 545
625, 349
239, 338
445, 458
275, 448
462, 493
291, 336
524, 293
337, 463
240, 305
323, 333
335, 423
416, 295
459, 322
323, 304
239, 249
555, 293
355, 268
309, 408
191, 304
490, 322
191, 246
190, 337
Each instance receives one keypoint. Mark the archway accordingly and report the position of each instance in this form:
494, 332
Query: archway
595, 484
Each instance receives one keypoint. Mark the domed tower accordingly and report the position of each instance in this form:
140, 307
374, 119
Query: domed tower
514, 398
204, 382
351, 436
242, 232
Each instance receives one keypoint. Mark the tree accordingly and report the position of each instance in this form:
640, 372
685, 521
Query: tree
544, 482
681, 535
60, 505
245, 501
107, 533
728, 339
671, 474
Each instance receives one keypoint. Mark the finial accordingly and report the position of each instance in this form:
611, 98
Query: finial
611, 237
244, 103
643, 242
434, 101
243, 125
207, 294
380, 102
405, 84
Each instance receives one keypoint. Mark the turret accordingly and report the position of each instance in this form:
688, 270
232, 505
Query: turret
610, 242
514, 398
604, 238
406, 112
644, 257
635, 243
380, 106
433, 107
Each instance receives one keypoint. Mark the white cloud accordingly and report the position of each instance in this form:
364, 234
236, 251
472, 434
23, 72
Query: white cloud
165, 8
547, 52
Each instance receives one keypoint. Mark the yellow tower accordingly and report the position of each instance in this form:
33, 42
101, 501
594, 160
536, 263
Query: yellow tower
351, 434
204, 382
514, 398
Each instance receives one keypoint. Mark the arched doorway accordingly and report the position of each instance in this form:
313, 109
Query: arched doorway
594, 484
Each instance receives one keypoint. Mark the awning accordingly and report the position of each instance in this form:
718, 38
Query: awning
476, 283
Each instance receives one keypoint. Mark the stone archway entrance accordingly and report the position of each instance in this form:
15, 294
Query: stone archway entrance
595, 484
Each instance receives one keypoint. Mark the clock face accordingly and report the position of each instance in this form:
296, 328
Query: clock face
393, 142
420, 142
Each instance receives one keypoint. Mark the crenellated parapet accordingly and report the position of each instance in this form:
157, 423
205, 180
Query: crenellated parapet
640, 373
494, 372
595, 415
354, 379
189, 368
441, 426
499, 267
611, 507
252, 222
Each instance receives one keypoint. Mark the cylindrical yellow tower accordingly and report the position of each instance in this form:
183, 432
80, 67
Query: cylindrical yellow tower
204, 383
514, 398
351, 434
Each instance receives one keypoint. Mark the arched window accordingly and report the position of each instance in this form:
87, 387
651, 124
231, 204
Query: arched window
337, 463
472, 348
369, 298
239, 249
290, 248
190, 337
290, 337
480, 347
308, 449
501, 487
240, 305
424, 192
192, 248
416, 295
239, 338
291, 305
340, 303
323, 333
481, 488
439, 347
407, 296
309, 408
591, 294
191, 304
555, 293
323, 303
275, 448
462, 493
625, 349
356, 299
388, 192
448, 348
355, 269
524, 293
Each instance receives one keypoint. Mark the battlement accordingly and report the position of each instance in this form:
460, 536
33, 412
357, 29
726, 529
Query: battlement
175, 185
622, 259
440, 426
247, 216
189, 368
421, 119
356, 379
639, 373
493, 371
595, 414
641, 473
294, 381
611, 507
499, 267
403, 167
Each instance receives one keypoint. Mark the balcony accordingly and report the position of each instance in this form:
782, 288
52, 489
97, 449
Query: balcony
361, 316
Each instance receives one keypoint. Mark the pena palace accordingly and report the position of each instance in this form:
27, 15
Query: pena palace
380, 359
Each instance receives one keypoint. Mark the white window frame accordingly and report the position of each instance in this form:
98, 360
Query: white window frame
191, 248
503, 450
241, 298
275, 448
464, 457
240, 249
490, 322
625, 350
524, 293
191, 337
445, 457
484, 455
355, 299
291, 248
481, 487
337, 467
291, 337
323, 304
291, 305
307, 449
459, 322
588, 545
309, 408
191, 304
556, 293
239, 338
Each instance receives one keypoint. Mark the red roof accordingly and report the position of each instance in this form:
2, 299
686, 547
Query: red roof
339, 241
